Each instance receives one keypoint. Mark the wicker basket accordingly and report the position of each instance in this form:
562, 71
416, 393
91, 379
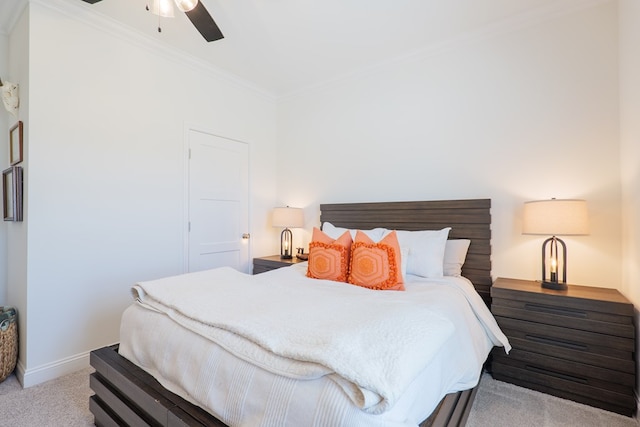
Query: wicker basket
8, 341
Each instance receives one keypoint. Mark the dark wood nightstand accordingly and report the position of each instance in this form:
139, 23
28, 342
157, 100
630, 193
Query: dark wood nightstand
577, 344
268, 263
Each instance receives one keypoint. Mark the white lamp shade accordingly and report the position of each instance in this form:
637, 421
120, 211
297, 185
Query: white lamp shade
556, 217
288, 217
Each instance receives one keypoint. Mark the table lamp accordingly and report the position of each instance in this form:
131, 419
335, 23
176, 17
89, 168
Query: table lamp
288, 218
555, 217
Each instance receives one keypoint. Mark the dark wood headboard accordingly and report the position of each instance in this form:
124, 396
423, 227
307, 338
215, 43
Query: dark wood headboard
468, 219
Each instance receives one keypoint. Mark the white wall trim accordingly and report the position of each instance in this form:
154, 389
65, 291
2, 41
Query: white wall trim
53, 370
499, 28
82, 12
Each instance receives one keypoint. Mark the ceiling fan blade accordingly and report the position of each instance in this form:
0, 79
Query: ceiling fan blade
200, 18
204, 23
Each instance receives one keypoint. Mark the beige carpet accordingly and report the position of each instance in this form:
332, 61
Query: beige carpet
64, 402
499, 404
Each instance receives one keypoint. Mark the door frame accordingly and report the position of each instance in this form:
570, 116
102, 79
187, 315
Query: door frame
185, 192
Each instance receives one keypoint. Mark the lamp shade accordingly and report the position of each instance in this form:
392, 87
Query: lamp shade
288, 217
556, 217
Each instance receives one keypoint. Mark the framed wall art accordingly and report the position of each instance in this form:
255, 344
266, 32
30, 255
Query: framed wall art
15, 143
12, 193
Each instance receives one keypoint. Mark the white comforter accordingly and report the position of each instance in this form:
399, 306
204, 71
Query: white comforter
372, 344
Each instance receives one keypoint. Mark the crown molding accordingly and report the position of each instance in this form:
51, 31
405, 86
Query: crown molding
81, 12
499, 28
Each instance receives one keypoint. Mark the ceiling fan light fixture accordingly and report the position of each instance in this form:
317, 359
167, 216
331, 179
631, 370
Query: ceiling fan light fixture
186, 5
162, 8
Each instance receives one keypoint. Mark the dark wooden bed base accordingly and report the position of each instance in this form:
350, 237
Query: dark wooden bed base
127, 395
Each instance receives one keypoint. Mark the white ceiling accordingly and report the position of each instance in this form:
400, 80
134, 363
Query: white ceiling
283, 46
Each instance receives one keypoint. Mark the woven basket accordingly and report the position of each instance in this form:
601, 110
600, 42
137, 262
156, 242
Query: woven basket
8, 341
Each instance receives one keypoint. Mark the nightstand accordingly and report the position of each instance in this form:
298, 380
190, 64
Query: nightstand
577, 344
268, 263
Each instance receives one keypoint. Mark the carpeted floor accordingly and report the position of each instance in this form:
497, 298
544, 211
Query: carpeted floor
64, 402
499, 404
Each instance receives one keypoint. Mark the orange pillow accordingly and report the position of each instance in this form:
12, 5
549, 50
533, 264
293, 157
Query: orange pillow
328, 258
376, 265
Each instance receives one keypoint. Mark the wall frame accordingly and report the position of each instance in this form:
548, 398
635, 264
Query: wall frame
15, 143
12, 193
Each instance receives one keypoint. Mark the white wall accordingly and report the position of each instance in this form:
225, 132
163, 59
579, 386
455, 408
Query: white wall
105, 176
524, 115
5, 118
629, 18
629, 15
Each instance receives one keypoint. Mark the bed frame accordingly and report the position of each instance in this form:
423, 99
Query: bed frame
125, 395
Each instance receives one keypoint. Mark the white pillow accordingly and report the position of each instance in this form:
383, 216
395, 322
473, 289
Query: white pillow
404, 255
455, 252
425, 251
334, 232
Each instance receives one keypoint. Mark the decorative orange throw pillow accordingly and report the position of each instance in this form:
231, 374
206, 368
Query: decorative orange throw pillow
328, 258
376, 265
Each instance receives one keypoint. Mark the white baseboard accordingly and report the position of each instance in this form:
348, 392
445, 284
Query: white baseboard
51, 371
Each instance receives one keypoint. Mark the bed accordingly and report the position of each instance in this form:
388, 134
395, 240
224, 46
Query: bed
125, 394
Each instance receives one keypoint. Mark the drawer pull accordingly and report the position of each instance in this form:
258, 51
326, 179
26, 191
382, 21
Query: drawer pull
550, 341
557, 374
556, 310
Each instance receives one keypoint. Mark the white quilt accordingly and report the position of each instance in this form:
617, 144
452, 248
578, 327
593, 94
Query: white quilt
373, 344
378, 347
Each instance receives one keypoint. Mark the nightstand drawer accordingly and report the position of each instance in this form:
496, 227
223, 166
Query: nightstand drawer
577, 338
582, 371
273, 262
257, 269
593, 355
588, 298
569, 318
571, 313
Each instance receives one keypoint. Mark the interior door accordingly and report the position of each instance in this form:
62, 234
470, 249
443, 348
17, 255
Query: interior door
218, 202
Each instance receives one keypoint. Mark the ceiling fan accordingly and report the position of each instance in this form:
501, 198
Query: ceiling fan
195, 11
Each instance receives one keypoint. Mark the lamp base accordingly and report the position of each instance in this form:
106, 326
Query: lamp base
286, 243
558, 286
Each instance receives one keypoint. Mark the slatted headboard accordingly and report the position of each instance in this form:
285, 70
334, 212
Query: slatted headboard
468, 219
